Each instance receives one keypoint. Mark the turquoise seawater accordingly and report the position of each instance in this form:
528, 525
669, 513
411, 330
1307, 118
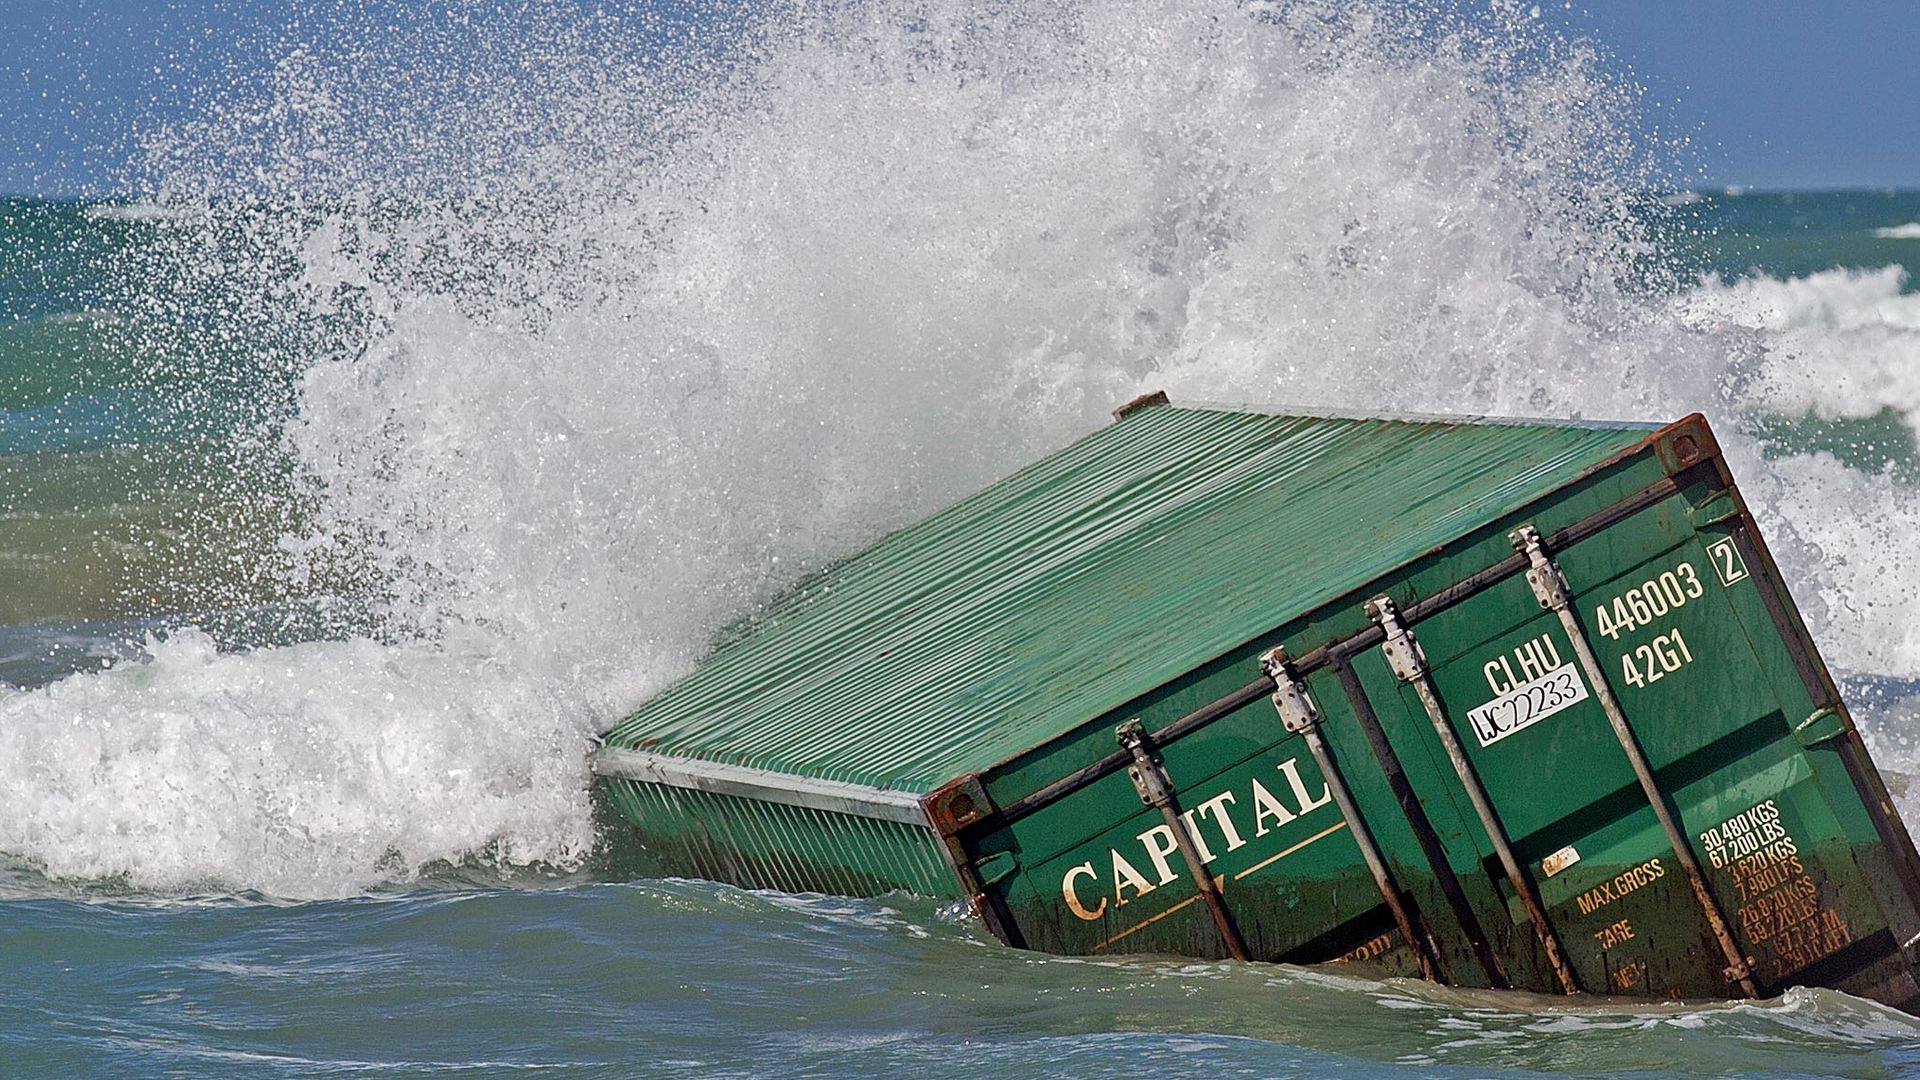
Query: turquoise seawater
452, 382
679, 979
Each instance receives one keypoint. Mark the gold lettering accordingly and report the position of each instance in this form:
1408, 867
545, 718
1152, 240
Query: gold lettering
1216, 808
1160, 843
1627, 976
1126, 877
1266, 806
1367, 951
1613, 935
1307, 805
1074, 905
1199, 842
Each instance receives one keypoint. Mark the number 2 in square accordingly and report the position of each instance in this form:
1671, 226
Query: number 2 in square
1726, 561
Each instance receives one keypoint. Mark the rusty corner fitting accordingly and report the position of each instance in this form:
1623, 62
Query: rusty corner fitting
957, 805
1684, 443
1144, 401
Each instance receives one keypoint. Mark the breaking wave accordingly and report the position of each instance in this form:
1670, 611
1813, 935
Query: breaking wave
594, 331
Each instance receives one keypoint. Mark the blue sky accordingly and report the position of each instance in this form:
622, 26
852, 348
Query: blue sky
1773, 93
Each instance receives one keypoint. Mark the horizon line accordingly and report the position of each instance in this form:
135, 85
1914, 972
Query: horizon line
1729, 190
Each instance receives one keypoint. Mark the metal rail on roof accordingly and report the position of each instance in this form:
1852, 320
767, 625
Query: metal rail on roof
788, 789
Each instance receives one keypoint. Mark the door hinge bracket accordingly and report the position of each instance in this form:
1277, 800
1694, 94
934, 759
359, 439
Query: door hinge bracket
1543, 574
1296, 709
1403, 653
1147, 776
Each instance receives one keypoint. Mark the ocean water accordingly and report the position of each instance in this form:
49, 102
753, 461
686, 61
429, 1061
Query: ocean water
445, 381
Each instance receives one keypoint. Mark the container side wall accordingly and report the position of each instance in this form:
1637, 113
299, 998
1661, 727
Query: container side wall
762, 845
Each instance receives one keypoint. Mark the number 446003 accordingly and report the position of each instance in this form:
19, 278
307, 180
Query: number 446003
1648, 601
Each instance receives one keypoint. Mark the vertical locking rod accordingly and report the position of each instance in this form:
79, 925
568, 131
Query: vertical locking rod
1299, 716
1409, 664
1550, 588
1156, 789
1412, 809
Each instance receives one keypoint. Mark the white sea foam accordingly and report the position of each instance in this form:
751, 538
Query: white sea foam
1909, 231
654, 333
307, 770
1838, 343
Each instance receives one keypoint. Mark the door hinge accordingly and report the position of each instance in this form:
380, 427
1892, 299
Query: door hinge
1297, 712
1543, 574
1404, 654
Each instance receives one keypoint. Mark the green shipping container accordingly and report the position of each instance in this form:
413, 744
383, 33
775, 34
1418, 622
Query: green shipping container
1496, 703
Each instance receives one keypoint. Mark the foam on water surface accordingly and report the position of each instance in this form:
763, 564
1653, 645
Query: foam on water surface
309, 769
594, 333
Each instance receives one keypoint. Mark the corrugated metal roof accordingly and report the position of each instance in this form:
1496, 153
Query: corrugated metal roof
1089, 578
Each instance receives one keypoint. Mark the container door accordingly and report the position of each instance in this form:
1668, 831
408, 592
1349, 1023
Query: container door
1665, 613
1717, 832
